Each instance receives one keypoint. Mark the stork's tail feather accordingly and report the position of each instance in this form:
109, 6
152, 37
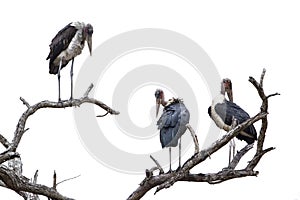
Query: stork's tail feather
247, 139
167, 138
53, 69
250, 131
48, 56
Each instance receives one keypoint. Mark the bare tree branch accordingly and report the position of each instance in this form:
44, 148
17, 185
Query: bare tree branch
8, 156
25, 102
88, 90
102, 115
195, 139
49, 104
14, 182
166, 180
12, 177
4, 141
54, 181
219, 177
262, 76
271, 95
36, 174
239, 155
161, 171
34, 196
264, 108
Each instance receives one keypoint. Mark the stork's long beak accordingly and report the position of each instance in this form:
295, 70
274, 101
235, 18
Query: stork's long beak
89, 42
230, 95
158, 101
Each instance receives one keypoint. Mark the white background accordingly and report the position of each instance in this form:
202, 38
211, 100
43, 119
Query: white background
241, 39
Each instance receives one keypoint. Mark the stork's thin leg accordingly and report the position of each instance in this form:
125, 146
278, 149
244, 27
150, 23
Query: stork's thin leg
170, 159
71, 75
233, 148
229, 160
58, 77
179, 152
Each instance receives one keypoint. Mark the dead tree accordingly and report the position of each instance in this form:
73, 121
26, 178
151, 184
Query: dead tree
11, 174
166, 180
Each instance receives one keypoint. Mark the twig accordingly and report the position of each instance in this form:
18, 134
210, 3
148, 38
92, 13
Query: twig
252, 164
4, 141
195, 139
67, 179
271, 95
103, 114
262, 76
86, 94
161, 171
34, 196
54, 181
35, 176
25, 130
25, 102
149, 174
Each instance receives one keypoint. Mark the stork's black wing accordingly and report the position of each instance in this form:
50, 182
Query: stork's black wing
172, 124
228, 110
59, 43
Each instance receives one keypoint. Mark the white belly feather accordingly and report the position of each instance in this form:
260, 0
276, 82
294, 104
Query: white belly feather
74, 49
217, 119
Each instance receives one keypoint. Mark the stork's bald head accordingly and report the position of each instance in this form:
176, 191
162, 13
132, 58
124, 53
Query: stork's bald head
88, 32
227, 86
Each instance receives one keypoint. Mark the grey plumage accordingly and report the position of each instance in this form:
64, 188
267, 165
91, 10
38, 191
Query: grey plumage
172, 123
227, 111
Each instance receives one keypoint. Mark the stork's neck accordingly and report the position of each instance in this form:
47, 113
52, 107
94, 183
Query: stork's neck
163, 101
222, 92
80, 30
219, 99
78, 25
230, 95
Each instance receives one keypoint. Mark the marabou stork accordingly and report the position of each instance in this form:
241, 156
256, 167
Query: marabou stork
172, 123
66, 45
223, 111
